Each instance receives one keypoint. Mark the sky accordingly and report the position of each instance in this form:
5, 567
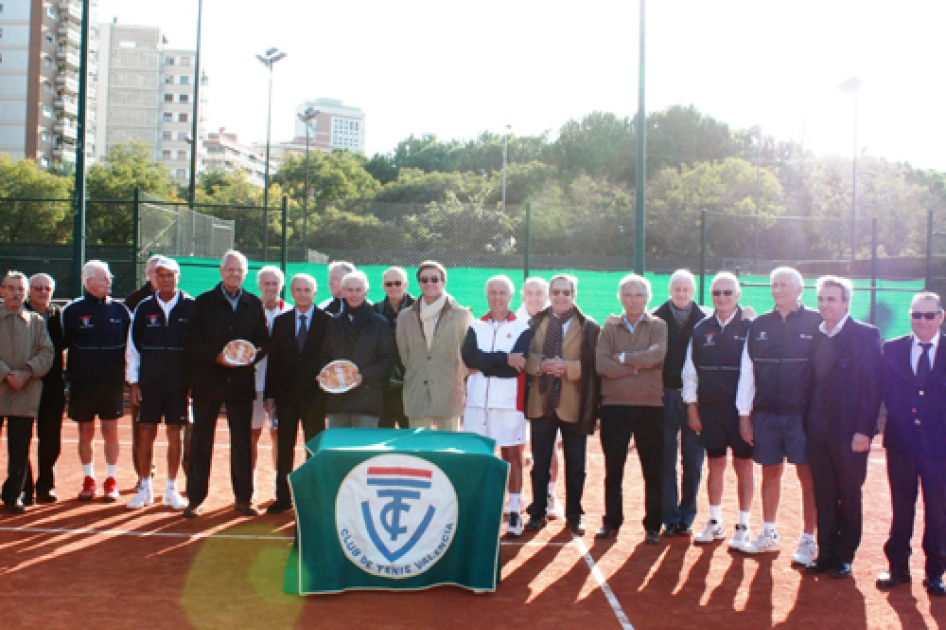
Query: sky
457, 68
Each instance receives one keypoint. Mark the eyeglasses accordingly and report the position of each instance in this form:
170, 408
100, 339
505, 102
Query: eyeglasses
929, 316
726, 292
393, 283
562, 292
430, 279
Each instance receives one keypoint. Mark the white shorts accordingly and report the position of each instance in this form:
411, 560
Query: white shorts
506, 426
260, 416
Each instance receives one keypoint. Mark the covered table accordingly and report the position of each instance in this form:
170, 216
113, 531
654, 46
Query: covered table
395, 509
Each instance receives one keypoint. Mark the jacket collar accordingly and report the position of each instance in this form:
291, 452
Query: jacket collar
6, 312
547, 311
51, 311
97, 300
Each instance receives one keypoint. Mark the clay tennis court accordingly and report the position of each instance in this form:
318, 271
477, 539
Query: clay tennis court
98, 565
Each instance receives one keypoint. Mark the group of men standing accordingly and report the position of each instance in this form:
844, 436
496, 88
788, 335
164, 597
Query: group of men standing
682, 382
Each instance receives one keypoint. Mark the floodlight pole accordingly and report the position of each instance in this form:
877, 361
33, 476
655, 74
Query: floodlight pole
639, 218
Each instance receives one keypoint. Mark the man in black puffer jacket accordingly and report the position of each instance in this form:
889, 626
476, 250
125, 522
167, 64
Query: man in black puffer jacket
363, 337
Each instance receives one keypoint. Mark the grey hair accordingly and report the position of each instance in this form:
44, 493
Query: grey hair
683, 274
633, 278
927, 295
846, 286
791, 272
341, 264
505, 280
89, 267
398, 270
542, 283
272, 270
570, 279
15, 275
232, 253
726, 275
307, 278
40, 276
356, 275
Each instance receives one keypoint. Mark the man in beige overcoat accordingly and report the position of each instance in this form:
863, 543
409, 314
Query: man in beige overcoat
26, 354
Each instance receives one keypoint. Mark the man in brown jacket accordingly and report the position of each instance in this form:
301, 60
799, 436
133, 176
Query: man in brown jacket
430, 336
561, 395
26, 354
629, 358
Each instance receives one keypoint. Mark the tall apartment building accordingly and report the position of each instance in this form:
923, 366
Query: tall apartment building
336, 126
148, 95
39, 79
224, 151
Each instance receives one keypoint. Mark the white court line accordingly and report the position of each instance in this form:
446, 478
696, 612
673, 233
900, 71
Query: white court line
140, 534
603, 585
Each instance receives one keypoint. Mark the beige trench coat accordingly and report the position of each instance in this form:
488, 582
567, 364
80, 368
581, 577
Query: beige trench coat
24, 341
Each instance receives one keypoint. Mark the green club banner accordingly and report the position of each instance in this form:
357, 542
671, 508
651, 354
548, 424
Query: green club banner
393, 509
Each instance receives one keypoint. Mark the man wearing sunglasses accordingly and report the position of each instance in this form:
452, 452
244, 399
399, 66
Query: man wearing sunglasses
840, 421
915, 438
397, 300
773, 385
429, 336
710, 378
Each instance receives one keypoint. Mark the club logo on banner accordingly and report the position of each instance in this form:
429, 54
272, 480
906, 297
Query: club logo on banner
396, 515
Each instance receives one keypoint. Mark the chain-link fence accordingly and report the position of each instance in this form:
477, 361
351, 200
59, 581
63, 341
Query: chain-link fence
175, 230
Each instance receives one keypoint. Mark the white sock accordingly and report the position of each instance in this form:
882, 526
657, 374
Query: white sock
171, 485
145, 483
807, 537
514, 503
744, 517
768, 529
88, 470
111, 470
552, 485
716, 513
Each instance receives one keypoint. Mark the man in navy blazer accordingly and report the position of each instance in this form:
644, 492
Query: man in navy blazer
915, 438
840, 422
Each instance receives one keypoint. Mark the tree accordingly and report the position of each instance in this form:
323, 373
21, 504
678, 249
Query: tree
33, 221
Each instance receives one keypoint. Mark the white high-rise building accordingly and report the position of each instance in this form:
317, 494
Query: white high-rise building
39, 79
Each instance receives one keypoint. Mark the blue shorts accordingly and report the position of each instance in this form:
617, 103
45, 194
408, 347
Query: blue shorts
778, 437
171, 406
721, 432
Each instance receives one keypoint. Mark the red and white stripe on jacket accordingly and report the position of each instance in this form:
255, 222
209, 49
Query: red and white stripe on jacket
491, 392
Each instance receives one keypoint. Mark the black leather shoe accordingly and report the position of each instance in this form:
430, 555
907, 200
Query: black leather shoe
606, 532
670, 530
27, 499
890, 579
819, 566
246, 509
47, 497
278, 508
842, 570
576, 527
536, 523
652, 537
18, 508
192, 510
683, 530
934, 586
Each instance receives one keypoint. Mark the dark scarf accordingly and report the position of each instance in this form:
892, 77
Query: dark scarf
551, 386
681, 315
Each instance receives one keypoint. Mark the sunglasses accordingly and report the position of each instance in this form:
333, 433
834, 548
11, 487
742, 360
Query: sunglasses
562, 292
929, 316
430, 279
726, 292
393, 283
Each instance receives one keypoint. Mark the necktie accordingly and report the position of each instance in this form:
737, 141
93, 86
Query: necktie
303, 332
923, 365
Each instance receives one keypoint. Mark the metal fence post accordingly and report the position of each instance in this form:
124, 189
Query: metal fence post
929, 251
135, 232
702, 257
873, 270
525, 274
284, 252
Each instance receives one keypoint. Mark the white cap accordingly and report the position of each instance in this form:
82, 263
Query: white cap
167, 263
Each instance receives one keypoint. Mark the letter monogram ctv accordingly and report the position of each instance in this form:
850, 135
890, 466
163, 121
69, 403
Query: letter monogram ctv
396, 515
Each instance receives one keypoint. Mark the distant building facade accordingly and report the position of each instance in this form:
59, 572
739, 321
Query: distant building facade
223, 150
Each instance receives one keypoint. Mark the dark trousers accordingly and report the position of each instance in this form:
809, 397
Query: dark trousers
48, 440
839, 474
239, 419
618, 425
905, 471
19, 434
544, 431
135, 441
679, 506
393, 411
310, 411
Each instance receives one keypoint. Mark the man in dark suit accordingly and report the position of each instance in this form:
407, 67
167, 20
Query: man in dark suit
294, 364
915, 438
220, 315
840, 422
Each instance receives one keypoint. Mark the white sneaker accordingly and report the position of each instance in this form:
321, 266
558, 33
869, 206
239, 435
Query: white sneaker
514, 528
143, 498
555, 509
173, 499
275, 490
805, 552
763, 544
741, 538
713, 531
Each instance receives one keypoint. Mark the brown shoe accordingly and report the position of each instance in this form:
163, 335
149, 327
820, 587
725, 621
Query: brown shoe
246, 509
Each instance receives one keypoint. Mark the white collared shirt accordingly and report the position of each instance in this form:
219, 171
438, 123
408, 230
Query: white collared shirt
689, 375
916, 351
837, 328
